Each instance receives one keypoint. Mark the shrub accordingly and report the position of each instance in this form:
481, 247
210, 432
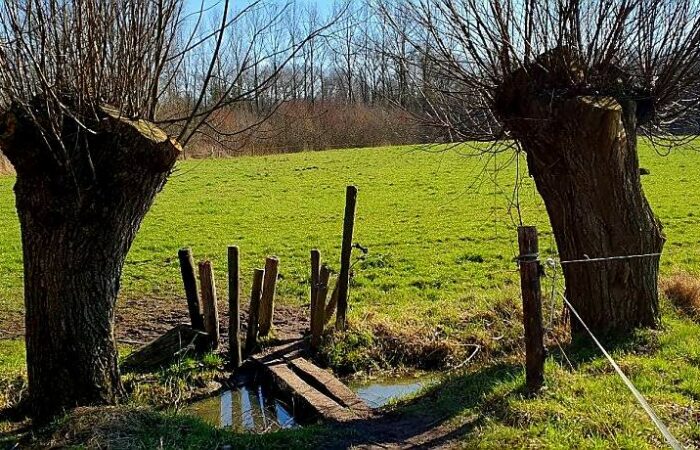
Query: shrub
684, 291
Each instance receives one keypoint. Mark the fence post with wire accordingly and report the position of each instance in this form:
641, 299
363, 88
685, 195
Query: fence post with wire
530, 272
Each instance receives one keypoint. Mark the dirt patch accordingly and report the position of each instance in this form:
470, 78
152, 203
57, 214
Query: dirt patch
139, 321
403, 431
11, 325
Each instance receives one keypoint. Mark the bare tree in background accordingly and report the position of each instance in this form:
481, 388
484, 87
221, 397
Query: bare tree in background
572, 83
96, 99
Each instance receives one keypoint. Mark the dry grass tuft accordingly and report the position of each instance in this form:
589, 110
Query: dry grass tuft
12, 392
684, 291
97, 427
413, 346
5, 166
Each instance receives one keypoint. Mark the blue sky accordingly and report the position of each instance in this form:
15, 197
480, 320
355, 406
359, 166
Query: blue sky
323, 5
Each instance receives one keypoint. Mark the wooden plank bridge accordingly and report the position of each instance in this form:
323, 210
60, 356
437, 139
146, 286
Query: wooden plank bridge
313, 387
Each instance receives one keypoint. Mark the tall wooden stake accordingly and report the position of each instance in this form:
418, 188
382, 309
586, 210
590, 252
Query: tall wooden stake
234, 307
189, 279
267, 302
209, 303
345, 251
315, 278
319, 311
256, 291
332, 303
532, 307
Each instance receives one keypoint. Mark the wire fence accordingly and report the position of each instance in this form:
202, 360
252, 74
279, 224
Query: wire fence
552, 265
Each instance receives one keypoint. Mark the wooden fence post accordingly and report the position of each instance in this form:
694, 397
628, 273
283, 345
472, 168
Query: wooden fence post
209, 303
315, 278
267, 302
234, 307
189, 279
530, 271
318, 313
332, 303
345, 252
256, 291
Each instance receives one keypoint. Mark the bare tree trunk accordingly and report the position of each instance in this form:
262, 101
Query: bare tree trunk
582, 153
77, 227
588, 175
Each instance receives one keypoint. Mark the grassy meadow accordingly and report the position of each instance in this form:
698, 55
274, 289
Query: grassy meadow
438, 281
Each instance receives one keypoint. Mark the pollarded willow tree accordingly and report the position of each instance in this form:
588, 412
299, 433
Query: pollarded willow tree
96, 99
573, 83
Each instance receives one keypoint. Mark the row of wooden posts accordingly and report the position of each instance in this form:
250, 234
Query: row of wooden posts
203, 310
262, 298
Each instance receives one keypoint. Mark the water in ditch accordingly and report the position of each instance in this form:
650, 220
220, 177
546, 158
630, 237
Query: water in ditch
247, 408
256, 409
378, 392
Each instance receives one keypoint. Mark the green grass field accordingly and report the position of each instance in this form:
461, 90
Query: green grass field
441, 236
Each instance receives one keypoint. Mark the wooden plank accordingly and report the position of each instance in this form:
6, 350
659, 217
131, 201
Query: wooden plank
334, 387
165, 349
281, 352
320, 390
321, 404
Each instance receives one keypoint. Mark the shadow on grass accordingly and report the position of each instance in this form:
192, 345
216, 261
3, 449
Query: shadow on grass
449, 411
582, 350
427, 420
424, 421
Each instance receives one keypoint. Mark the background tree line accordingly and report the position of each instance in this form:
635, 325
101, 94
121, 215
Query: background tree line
359, 83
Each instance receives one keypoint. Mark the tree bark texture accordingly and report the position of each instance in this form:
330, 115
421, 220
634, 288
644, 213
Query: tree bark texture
582, 154
79, 215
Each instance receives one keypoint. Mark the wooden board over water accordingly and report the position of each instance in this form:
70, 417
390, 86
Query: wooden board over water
317, 388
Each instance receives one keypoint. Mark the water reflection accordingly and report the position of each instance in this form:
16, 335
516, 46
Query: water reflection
248, 408
255, 408
377, 393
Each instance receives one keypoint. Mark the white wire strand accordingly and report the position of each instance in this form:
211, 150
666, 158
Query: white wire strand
672, 441
609, 258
